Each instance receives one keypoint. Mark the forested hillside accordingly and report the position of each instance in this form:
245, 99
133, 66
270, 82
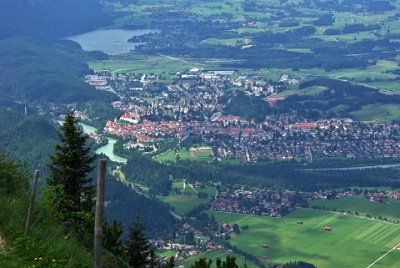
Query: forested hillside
123, 204
50, 18
28, 138
36, 70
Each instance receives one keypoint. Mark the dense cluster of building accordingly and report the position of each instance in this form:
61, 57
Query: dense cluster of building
371, 195
274, 203
192, 105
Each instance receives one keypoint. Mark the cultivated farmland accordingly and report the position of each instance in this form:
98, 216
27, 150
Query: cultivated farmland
353, 242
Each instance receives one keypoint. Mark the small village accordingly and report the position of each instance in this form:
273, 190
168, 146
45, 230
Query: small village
264, 202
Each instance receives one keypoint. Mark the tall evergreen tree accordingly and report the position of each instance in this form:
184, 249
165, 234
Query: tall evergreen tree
202, 263
70, 192
137, 248
111, 237
170, 263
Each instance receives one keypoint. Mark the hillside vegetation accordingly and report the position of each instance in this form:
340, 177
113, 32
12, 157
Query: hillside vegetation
37, 70
47, 245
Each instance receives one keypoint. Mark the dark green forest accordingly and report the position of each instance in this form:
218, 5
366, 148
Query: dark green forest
41, 70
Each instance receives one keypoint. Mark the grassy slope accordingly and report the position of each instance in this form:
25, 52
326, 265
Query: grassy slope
46, 239
352, 243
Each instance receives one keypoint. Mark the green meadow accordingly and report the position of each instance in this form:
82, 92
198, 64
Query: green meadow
182, 203
183, 154
187, 198
353, 242
377, 113
363, 206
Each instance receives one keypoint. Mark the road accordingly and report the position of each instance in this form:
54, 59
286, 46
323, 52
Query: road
349, 215
381, 257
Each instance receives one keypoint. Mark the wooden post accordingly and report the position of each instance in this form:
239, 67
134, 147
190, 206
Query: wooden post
32, 202
98, 224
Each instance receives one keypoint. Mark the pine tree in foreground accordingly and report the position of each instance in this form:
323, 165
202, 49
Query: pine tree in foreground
137, 248
70, 191
111, 237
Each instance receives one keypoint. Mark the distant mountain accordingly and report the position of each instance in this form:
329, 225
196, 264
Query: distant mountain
43, 70
50, 18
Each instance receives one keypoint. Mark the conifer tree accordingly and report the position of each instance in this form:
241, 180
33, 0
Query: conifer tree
202, 263
137, 248
70, 190
170, 263
111, 237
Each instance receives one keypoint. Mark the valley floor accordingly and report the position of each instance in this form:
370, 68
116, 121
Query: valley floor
353, 242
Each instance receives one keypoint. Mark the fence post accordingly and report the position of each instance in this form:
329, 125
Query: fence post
31, 202
98, 224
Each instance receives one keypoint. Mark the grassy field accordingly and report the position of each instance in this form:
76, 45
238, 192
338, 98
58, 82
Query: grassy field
168, 253
182, 203
184, 154
188, 198
171, 155
353, 242
314, 90
377, 113
362, 206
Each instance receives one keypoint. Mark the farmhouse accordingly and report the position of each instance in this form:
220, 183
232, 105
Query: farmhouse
328, 228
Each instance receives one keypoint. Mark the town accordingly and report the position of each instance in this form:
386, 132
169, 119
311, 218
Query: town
194, 105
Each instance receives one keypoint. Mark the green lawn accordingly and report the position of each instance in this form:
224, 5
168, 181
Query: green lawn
362, 206
353, 242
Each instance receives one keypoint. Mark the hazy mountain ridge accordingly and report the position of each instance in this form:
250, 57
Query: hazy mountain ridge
50, 18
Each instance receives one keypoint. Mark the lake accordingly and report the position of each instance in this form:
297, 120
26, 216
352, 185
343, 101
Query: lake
111, 42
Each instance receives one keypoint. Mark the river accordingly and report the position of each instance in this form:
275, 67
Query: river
107, 149
111, 42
